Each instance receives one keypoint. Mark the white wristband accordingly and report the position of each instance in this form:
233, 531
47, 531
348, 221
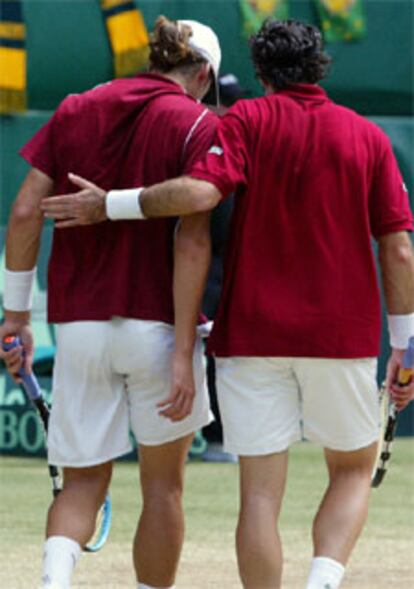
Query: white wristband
401, 328
18, 290
124, 204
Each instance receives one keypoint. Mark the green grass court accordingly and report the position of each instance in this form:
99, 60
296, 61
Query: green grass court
384, 556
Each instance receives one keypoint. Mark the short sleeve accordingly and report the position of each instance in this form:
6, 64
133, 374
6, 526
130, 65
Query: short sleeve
39, 151
389, 202
199, 139
226, 163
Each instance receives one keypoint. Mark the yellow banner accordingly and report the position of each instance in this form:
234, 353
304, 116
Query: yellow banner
128, 36
12, 57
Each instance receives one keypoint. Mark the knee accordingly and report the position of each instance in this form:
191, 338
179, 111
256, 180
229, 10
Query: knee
356, 472
163, 495
259, 501
92, 480
356, 464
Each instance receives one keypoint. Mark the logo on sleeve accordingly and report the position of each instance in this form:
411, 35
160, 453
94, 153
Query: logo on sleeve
404, 187
215, 149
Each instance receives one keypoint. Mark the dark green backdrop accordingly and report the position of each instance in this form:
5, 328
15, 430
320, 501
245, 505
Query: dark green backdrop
68, 49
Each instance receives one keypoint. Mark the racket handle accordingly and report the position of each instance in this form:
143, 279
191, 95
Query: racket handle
404, 376
29, 381
407, 366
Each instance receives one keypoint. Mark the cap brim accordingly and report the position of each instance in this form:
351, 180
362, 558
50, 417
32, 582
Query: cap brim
215, 86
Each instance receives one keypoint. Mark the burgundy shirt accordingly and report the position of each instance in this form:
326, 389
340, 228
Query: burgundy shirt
129, 132
314, 181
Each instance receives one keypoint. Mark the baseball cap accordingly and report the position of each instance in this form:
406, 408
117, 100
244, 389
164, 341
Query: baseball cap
204, 40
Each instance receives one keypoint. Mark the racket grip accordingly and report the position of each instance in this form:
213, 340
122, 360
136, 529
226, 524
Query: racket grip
404, 376
407, 366
29, 381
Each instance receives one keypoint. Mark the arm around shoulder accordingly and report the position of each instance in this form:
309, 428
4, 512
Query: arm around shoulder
179, 197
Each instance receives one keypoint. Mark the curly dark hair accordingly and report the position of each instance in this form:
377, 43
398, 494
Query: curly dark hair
289, 52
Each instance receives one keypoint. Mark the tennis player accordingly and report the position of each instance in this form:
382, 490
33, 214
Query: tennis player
110, 292
298, 328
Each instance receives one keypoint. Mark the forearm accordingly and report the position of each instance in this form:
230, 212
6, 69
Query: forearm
192, 255
22, 246
178, 197
397, 267
23, 241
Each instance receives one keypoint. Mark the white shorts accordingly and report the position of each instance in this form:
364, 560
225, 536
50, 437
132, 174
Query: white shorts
107, 380
266, 404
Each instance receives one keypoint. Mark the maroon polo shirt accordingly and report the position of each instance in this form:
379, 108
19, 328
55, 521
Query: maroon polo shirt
314, 182
129, 132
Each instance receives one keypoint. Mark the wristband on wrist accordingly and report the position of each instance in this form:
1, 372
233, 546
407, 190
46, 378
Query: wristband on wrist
401, 328
18, 290
124, 204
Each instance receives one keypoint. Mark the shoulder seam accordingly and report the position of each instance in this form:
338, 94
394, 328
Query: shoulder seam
192, 130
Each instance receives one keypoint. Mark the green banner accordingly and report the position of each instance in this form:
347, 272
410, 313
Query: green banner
341, 20
254, 12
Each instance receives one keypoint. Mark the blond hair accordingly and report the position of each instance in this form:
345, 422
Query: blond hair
169, 46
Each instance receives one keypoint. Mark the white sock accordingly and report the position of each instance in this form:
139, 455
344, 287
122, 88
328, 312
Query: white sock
60, 557
142, 586
325, 573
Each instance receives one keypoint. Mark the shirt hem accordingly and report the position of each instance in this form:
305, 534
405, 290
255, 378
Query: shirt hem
88, 462
172, 437
395, 228
33, 161
54, 317
289, 353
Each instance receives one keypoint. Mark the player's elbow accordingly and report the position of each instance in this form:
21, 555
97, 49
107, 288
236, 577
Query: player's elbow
403, 254
396, 249
26, 208
205, 196
23, 212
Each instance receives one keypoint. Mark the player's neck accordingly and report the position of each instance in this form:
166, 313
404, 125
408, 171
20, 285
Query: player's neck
175, 77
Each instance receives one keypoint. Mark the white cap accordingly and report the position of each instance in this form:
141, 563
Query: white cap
204, 40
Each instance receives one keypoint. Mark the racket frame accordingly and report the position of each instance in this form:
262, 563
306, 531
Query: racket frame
405, 374
33, 392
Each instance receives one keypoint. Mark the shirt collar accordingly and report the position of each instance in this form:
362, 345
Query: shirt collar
305, 92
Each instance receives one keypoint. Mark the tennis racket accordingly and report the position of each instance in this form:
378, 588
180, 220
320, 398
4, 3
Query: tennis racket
389, 417
32, 389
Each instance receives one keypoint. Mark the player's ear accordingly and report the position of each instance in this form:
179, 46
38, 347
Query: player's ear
204, 73
268, 88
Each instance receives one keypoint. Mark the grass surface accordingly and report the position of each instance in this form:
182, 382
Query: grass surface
383, 558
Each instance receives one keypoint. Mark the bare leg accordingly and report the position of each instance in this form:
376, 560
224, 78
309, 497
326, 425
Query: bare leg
344, 508
259, 550
73, 512
160, 533
71, 521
